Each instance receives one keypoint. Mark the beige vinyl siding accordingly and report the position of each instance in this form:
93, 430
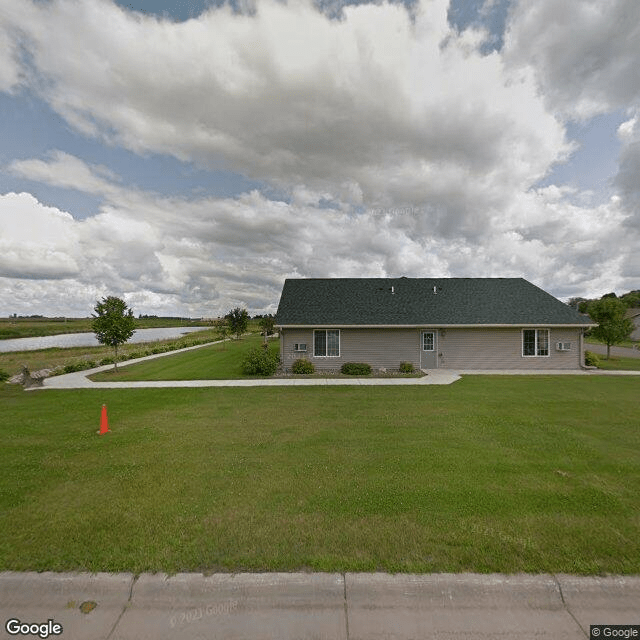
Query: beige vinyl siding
381, 348
483, 348
502, 349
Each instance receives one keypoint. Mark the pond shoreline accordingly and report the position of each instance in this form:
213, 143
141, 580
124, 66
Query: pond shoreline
88, 339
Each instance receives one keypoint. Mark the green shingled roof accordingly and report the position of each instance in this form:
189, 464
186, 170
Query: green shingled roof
421, 302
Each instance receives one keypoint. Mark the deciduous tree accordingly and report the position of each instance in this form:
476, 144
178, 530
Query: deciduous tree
267, 324
613, 327
238, 320
114, 323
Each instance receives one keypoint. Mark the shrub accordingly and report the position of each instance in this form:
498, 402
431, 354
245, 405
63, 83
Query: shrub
89, 364
106, 360
356, 369
406, 367
591, 359
302, 365
4, 375
260, 362
72, 368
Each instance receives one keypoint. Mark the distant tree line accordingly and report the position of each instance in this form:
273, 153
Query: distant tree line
630, 300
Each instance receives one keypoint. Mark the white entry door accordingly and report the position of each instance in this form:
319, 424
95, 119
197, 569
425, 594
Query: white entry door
428, 350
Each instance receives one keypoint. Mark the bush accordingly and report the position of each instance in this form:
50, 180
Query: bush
260, 362
303, 365
591, 359
406, 367
4, 376
106, 360
356, 369
72, 368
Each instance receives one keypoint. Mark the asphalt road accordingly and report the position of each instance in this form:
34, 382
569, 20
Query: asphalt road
621, 352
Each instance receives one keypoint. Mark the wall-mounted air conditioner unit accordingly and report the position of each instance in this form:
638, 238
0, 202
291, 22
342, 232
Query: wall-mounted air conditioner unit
300, 346
563, 346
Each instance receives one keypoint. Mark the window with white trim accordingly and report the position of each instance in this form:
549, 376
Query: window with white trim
326, 342
428, 341
535, 342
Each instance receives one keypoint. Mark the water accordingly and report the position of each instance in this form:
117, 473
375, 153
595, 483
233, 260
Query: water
89, 340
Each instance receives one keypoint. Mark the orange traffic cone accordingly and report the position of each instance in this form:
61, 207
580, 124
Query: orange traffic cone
104, 424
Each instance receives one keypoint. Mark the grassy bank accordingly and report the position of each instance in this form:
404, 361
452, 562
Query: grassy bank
53, 358
533, 474
615, 363
216, 362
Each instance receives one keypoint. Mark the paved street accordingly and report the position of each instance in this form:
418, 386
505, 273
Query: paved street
297, 606
617, 352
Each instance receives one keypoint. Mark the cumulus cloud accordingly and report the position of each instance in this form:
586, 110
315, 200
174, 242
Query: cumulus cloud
585, 52
35, 240
65, 170
9, 67
398, 108
204, 256
400, 147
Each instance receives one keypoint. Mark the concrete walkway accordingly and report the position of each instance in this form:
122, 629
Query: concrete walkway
332, 606
80, 380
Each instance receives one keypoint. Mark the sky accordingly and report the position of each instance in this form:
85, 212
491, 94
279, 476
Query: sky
189, 155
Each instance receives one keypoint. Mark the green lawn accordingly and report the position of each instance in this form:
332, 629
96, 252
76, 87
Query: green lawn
52, 358
533, 474
216, 362
615, 363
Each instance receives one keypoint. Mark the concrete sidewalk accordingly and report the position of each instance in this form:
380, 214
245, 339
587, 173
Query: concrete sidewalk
80, 380
296, 606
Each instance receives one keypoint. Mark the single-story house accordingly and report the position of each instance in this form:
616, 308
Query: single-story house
434, 323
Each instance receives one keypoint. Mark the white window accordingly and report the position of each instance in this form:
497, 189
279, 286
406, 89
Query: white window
326, 342
535, 342
428, 341
300, 346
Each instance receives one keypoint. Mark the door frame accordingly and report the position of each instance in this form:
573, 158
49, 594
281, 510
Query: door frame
435, 345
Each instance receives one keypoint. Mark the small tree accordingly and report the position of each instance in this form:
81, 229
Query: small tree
114, 323
267, 324
222, 329
238, 320
613, 327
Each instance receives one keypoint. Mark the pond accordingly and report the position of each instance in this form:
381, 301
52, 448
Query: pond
65, 340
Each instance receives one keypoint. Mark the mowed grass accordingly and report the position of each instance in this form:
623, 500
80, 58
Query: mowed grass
221, 361
507, 474
616, 363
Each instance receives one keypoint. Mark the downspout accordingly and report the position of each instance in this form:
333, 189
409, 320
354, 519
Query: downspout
280, 334
581, 354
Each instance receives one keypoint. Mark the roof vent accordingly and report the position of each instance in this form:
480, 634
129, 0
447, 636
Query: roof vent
392, 291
